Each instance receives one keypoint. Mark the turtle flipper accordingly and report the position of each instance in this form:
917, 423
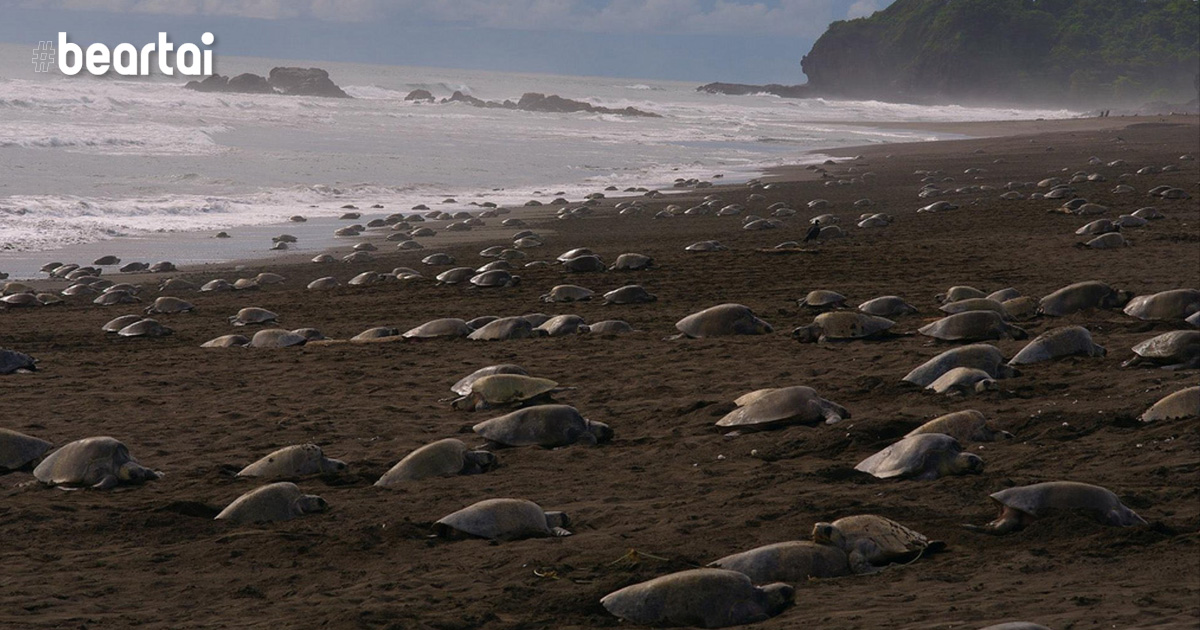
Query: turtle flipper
559, 531
860, 565
106, 483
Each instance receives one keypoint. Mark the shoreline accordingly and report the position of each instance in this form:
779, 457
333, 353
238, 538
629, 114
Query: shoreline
250, 245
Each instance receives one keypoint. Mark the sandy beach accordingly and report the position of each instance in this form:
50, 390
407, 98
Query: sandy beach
670, 491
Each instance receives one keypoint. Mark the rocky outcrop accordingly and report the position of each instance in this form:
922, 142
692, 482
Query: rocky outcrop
420, 95
304, 82
535, 102
282, 80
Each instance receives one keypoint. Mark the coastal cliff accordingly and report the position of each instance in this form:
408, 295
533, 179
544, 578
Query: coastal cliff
1064, 52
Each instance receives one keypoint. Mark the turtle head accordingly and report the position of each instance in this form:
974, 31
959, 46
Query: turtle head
311, 503
807, 334
779, 596
600, 431
481, 461
1121, 298
827, 534
557, 520
968, 463
330, 465
514, 281
133, 472
985, 385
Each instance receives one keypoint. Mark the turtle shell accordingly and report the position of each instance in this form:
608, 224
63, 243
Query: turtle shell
503, 389
911, 456
280, 501
1041, 498
892, 540
1167, 305
497, 519
980, 356
788, 405
18, 450
1184, 403
446, 327
724, 319
1177, 345
851, 325
463, 386
793, 562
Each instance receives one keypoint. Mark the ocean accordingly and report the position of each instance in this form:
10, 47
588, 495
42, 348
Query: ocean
88, 163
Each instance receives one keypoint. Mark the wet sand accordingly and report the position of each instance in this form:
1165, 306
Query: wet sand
670, 487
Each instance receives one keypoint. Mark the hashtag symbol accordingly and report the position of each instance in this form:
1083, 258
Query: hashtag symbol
43, 57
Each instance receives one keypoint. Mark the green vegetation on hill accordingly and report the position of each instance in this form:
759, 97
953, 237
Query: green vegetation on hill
1103, 52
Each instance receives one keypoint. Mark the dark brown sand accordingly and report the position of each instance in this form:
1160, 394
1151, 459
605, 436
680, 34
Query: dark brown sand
670, 492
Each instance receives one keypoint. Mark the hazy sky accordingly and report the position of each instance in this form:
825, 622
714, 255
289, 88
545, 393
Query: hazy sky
750, 41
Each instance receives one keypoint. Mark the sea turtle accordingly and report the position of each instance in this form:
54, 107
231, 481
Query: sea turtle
782, 407
705, 246
12, 361
972, 326
227, 341
1022, 505
499, 390
1021, 309
96, 462
823, 299
447, 327
575, 253
113, 298
377, 333
925, 456
311, 334
19, 451
887, 306
981, 356
1112, 240
1057, 343
610, 327
324, 284
1082, 296
268, 278
120, 322
568, 293
632, 262
280, 501
974, 304
705, 598
793, 562
245, 284
456, 275
504, 329
439, 259
1097, 227
873, 541
495, 278
463, 386
276, 338
843, 325
502, 519
1167, 305
967, 425
548, 426
145, 328
169, 305
215, 285
1003, 295
442, 458
724, 319
293, 461
366, 278
963, 380
560, 325
1175, 350
629, 294
1184, 403
253, 315
584, 264
961, 292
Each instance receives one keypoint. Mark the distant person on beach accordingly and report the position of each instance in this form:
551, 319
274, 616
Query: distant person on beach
813, 232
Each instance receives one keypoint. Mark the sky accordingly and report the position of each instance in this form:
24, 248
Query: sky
743, 41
